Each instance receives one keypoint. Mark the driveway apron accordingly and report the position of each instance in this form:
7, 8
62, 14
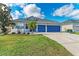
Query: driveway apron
69, 41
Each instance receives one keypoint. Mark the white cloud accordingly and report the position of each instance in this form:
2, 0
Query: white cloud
28, 10
67, 11
16, 14
22, 5
73, 13
13, 16
76, 17
64, 10
33, 10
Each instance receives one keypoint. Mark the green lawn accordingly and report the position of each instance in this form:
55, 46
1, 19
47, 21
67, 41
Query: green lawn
24, 45
76, 33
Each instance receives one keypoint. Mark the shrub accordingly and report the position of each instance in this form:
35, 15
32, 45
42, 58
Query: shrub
28, 33
19, 32
69, 30
24, 33
13, 33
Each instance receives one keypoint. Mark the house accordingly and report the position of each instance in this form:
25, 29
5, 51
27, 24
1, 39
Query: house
43, 25
70, 24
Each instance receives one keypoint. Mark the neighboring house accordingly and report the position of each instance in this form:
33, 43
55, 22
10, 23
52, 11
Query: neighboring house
42, 25
70, 24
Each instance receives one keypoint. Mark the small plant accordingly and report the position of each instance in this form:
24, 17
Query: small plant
69, 30
13, 33
24, 33
31, 25
19, 32
28, 33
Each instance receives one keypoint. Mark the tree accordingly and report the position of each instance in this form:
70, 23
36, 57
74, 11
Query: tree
5, 17
31, 25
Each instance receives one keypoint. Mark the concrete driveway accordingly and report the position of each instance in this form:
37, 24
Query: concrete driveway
69, 41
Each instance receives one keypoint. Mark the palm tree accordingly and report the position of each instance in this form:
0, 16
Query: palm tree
31, 25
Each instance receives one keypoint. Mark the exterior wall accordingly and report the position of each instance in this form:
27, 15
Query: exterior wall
23, 25
20, 26
76, 27
13, 30
65, 27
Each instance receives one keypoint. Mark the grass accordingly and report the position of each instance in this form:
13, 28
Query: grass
30, 45
76, 33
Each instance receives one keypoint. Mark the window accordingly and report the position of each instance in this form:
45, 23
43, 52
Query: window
26, 26
19, 27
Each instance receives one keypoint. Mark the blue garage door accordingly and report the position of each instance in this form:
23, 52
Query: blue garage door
41, 28
51, 28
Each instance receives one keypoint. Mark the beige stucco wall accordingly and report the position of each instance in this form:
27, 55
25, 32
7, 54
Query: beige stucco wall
65, 27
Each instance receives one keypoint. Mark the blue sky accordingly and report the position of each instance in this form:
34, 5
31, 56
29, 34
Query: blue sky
51, 11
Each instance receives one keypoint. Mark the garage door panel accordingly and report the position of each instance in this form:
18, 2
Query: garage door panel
41, 28
51, 28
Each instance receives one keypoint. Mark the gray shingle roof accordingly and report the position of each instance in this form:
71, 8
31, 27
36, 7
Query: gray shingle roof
44, 21
70, 22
